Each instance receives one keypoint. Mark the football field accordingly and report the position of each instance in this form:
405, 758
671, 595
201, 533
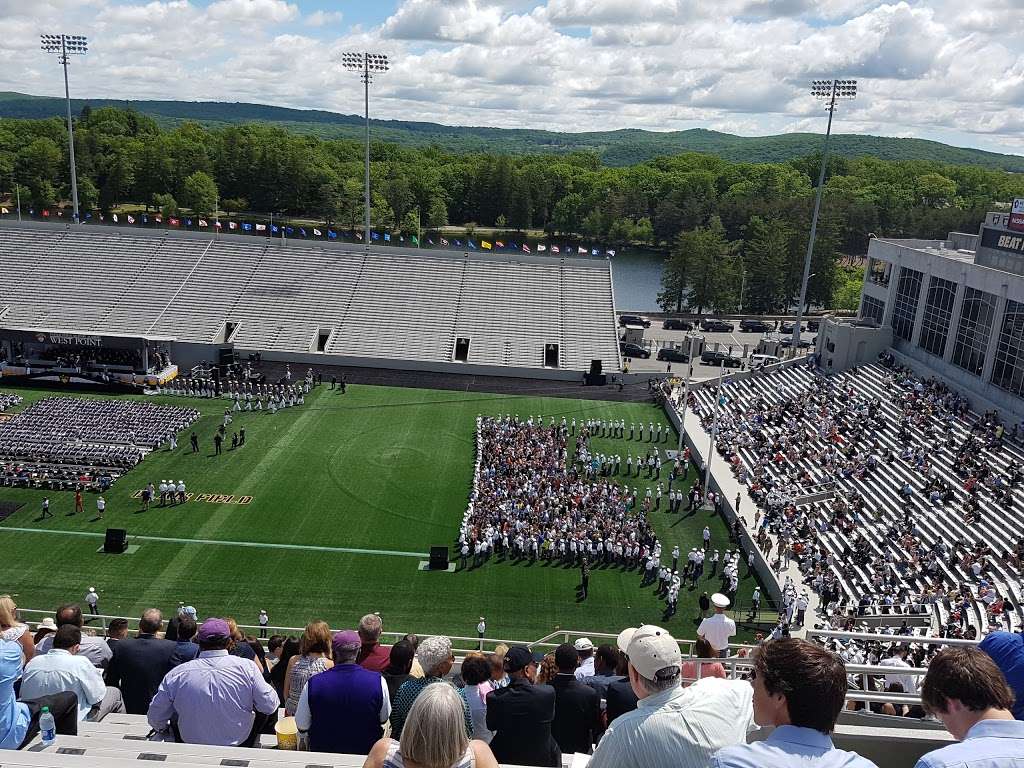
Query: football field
326, 512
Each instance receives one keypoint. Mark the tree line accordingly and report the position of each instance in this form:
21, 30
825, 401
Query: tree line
733, 233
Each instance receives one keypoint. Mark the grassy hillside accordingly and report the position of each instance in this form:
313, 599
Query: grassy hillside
618, 148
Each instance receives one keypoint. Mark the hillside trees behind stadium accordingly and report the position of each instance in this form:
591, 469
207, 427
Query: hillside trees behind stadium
760, 210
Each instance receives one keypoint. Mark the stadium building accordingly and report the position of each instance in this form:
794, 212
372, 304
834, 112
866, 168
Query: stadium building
195, 297
956, 306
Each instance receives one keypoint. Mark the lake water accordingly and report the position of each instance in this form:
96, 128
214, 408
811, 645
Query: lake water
637, 279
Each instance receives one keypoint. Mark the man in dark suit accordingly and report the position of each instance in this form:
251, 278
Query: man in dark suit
139, 665
521, 714
577, 706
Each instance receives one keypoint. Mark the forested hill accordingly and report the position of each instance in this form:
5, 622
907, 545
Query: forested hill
615, 148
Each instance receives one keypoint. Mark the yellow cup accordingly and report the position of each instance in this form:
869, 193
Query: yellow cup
287, 733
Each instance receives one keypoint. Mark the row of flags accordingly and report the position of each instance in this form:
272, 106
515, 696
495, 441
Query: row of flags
327, 233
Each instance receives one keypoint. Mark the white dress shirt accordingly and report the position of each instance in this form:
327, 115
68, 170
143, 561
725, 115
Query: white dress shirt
679, 728
717, 630
59, 671
93, 648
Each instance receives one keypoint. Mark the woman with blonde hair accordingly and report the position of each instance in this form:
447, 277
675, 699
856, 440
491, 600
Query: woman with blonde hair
314, 657
547, 670
434, 736
14, 631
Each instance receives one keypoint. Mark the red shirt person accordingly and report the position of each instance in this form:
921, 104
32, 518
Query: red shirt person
372, 655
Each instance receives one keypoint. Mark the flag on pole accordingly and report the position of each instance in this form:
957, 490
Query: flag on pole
387, 237
485, 244
581, 249
289, 231
274, 228
203, 223
415, 240
4, 211
218, 225
444, 242
158, 219
359, 235
188, 222
302, 231
471, 244
261, 227
317, 232
499, 244
232, 225
332, 235
431, 242
401, 238
458, 243
247, 226
173, 221
610, 251
131, 219
375, 236
594, 252
541, 247
526, 248
114, 216
554, 249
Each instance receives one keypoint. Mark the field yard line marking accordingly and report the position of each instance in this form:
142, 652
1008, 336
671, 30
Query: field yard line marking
256, 544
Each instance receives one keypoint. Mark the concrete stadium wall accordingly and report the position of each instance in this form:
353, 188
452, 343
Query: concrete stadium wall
314, 359
728, 487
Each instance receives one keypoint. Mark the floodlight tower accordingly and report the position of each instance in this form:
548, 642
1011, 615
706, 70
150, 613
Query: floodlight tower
65, 46
366, 64
831, 91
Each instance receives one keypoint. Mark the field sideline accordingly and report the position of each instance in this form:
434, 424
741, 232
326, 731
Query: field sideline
383, 469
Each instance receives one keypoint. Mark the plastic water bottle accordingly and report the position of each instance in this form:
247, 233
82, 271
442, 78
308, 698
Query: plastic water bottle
47, 727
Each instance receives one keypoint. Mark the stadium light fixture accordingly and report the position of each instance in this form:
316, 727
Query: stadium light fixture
831, 91
367, 64
65, 46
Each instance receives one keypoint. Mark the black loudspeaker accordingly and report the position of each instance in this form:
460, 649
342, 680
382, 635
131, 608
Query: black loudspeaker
439, 558
595, 367
116, 541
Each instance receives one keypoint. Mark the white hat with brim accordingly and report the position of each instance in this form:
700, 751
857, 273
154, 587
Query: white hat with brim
719, 600
650, 649
584, 644
48, 623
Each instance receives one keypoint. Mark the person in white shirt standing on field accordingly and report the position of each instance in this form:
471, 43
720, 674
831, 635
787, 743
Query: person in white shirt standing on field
718, 629
264, 620
101, 506
93, 600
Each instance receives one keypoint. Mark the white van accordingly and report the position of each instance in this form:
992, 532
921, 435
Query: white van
763, 361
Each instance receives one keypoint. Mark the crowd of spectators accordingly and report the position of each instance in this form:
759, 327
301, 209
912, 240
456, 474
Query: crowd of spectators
878, 545
528, 504
638, 704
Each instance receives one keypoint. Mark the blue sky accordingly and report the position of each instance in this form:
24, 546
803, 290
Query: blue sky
937, 69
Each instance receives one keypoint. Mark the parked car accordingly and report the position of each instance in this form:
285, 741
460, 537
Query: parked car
673, 355
633, 350
712, 324
787, 327
677, 324
625, 320
813, 325
760, 361
709, 357
756, 326
788, 342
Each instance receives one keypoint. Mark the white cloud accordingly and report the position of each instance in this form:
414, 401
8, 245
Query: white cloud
276, 11
940, 69
323, 18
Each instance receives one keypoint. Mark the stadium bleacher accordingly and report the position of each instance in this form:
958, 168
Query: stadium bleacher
279, 296
879, 436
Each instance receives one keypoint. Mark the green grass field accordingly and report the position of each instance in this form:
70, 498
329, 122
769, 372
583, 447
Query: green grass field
380, 468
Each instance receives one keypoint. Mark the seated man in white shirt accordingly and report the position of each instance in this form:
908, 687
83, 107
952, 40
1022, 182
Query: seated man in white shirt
95, 649
64, 670
672, 726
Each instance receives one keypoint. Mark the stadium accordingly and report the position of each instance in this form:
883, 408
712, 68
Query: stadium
260, 493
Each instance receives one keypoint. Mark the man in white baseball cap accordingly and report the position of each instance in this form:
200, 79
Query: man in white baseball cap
672, 726
585, 649
719, 628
